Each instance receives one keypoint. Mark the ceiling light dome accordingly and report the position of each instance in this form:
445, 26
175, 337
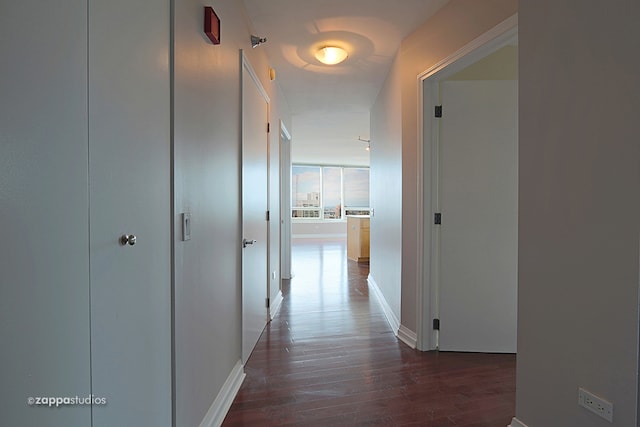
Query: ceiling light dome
331, 55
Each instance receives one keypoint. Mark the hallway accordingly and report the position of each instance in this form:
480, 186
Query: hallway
329, 359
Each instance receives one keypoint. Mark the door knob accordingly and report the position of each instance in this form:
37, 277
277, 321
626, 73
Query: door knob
128, 239
246, 242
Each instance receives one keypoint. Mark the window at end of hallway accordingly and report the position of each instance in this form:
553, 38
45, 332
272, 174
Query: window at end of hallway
328, 192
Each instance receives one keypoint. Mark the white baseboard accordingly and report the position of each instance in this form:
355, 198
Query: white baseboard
320, 236
386, 308
407, 336
275, 305
220, 406
517, 423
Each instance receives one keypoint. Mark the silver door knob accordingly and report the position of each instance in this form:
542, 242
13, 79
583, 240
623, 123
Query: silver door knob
246, 242
128, 239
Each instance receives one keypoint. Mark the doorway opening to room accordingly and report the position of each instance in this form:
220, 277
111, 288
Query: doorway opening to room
324, 188
468, 244
330, 211
325, 178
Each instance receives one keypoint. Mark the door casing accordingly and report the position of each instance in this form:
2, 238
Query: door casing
285, 202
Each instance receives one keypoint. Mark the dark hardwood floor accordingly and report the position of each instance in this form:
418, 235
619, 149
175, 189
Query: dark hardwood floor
329, 358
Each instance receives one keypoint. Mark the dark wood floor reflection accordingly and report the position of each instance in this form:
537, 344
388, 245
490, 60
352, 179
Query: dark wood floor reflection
329, 358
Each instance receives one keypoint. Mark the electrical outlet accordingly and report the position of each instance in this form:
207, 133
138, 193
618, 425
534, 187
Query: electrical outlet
595, 404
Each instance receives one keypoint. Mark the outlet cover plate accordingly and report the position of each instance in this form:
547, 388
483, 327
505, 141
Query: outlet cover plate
595, 404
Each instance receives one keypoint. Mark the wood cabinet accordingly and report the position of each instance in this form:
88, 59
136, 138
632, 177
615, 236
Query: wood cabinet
358, 238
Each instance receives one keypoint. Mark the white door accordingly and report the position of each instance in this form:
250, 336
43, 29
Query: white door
44, 196
479, 204
254, 209
129, 175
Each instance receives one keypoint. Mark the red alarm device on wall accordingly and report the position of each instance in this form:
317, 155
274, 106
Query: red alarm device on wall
211, 25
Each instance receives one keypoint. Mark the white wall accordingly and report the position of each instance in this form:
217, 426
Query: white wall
500, 65
330, 138
579, 210
207, 183
386, 190
318, 229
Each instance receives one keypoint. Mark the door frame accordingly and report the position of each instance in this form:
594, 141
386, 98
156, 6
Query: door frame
428, 236
285, 202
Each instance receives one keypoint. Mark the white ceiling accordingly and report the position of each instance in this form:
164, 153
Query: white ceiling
331, 104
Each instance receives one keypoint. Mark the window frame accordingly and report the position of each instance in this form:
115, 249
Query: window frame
360, 210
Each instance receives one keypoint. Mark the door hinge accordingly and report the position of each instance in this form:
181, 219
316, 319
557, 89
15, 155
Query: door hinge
436, 324
268, 216
268, 127
437, 219
438, 111
267, 302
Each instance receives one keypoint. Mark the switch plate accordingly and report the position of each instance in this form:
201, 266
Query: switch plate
595, 404
186, 226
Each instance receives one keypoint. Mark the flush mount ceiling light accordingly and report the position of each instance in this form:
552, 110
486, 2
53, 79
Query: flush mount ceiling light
331, 55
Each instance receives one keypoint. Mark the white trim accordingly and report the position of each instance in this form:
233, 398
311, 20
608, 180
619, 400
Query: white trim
498, 36
284, 130
427, 306
517, 423
319, 236
637, 390
286, 229
394, 323
407, 336
220, 406
254, 76
275, 305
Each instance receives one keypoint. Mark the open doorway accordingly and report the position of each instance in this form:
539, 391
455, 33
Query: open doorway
468, 297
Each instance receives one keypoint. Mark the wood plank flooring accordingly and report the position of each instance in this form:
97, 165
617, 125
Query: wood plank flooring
329, 358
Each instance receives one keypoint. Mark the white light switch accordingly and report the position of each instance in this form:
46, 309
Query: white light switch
186, 226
